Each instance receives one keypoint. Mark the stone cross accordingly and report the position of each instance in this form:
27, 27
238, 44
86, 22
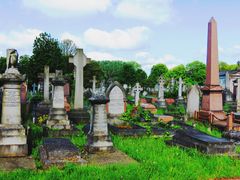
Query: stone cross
161, 88
79, 60
94, 81
238, 95
46, 76
137, 89
180, 89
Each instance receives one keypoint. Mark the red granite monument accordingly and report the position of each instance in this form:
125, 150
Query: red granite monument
212, 106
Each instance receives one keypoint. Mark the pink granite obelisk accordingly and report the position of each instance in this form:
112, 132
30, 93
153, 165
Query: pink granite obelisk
212, 91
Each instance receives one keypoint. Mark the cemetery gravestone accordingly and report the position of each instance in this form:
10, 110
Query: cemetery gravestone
180, 89
117, 99
193, 101
12, 134
137, 89
161, 100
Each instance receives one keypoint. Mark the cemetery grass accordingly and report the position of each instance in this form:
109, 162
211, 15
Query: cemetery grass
155, 159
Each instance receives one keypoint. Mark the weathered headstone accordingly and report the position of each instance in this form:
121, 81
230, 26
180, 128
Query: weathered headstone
193, 101
98, 137
94, 81
161, 99
117, 99
46, 77
79, 61
78, 114
137, 89
12, 134
58, 118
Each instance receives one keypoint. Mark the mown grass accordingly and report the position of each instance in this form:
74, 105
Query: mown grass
156, 161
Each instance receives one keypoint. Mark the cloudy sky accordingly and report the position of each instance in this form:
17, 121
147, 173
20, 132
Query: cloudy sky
147, 31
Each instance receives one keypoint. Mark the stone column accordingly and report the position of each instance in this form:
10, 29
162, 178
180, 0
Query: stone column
98, 138
180, 85
13, 141
57, 117
46, 84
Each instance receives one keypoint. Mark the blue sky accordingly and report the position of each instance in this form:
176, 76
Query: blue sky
147, 31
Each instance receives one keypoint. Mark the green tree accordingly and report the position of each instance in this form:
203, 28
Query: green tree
128, 75
68, 47
223, 66
176, 72
3, 65
46, 51
156, 71
90, 70
141, 77
23, 65
195, 73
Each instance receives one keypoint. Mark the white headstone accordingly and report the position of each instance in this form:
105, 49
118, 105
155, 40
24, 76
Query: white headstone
161, 89
180, 89
193, 101
117, 99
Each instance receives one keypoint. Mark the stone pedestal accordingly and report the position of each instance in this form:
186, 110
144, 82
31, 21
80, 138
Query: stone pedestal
58, 118
13, 141
98, 138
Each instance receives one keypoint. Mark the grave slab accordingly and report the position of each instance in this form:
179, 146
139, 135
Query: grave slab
58, 151
9, 164
191, 138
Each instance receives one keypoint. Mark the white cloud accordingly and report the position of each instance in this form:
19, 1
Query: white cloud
156, 11
21, 40
76, 39
66, 8
147, 60
117, 39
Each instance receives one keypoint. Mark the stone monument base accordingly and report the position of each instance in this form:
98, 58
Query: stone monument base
58, 151
58, 119
161, 104
13, 141
99, 143
13, 163
79, 116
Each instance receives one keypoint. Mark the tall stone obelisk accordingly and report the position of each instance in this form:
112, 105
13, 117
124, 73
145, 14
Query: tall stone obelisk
212, 91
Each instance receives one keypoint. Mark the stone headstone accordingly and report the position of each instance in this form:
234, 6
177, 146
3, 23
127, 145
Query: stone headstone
58, 118
79, 61
161, 99
98, 137
137, 89
193, 101
66, 90
12, 134
117, 99
94, 82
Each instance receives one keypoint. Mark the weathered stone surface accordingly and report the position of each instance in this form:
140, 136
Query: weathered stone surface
164, 118
193, 101
117, 99
9, 164
191, 138
58, 151
98, 137
79, 116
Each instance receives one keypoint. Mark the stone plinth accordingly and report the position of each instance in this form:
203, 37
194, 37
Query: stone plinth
58, 151
98, 138
58, 118
13, 142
